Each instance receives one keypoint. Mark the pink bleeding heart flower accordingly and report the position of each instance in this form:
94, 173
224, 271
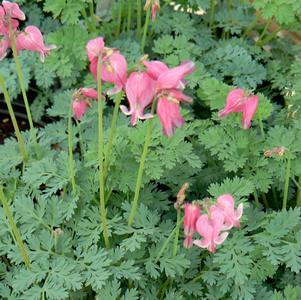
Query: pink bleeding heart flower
32, 40
13, 10
210, 228
169, 83
155, 6
226, 205
191, 214
81, 101
114, 65
6, 18
140, 91
237, 101
4, 44
94, 48
169, 115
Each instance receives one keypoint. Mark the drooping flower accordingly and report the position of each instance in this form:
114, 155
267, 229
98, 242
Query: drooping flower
81, 101
210, 228
225, 203
113, 67
169, 83
191, 214
140, 91
238, 101
10, 13
31, 39
155, 6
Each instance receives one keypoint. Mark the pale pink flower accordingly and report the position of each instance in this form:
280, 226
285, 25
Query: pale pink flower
238, 101
6, 17
13, 10
94, 48
140, 91
32, 40
169, 83
191, 214
210, 228
114, 65
81, 101
226, 205
4, 44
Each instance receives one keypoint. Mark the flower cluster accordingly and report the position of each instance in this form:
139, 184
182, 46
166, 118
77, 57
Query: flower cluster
158, 83
212, 227
30, 39
238, 101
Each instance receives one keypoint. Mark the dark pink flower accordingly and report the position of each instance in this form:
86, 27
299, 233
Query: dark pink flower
114, 65
155, 6
81, 101
140, 91
238, 101
191, 214
32, 40
210, 228
226, 205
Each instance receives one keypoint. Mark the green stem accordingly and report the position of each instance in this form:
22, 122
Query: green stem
118, 27
13, 118
265, 200
251, 26
264, 31
275, 197
145, 29
269, 37
93, 20
70, 144
168, 240
81, 140
299, 193
22, 86
139, 9
286, 182
176, 240
129, 20
212, 8
84, 14
141, 166
112, 133
14, 228
261, 125
100, 157
256, 199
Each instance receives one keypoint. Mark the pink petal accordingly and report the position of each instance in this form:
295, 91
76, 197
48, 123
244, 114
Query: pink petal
249, 110
13, 10
89, 93
202, 243
31, 39
169, 115
221, 238
234, 103
94, 48
239, 211
79, 109
180, 96
155, 68
172, 78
